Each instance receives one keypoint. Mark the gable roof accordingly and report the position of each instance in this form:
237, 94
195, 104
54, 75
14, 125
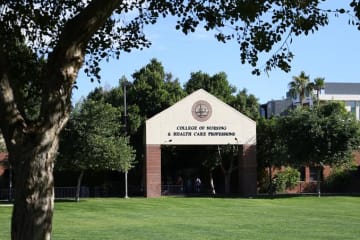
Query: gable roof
179, 124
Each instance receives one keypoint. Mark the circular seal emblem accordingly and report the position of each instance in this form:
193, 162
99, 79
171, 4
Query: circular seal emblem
201, 110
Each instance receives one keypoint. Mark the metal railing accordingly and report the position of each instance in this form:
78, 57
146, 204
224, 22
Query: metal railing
172, 189
68, 192
60, 192
85, 192
6, 194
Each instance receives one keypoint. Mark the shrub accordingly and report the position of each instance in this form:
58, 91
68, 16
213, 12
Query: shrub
338, 181
286, 179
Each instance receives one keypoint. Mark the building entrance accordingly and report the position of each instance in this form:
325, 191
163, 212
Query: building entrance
181, 166
182, 137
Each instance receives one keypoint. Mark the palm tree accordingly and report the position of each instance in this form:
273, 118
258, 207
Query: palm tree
318, 85
300, 86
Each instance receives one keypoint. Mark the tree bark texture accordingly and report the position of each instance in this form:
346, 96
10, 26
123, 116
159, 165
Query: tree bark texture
78, 186
34, 189
33, 145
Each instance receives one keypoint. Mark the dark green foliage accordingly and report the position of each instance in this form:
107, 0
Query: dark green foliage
218, 85
41, 23
339, 180
153, 90
247, 104
92, 140
323, 135
271, 148
257, 26
25, 68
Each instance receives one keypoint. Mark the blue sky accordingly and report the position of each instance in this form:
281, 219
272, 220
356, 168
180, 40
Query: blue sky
333, 53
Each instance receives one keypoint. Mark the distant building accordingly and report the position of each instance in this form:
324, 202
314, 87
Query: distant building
307, 101
275, 107
349, 93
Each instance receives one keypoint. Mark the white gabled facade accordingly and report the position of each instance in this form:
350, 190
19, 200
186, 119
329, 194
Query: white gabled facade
178, 125
200, 119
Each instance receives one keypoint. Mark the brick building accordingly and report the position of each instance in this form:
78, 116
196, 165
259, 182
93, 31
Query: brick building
200, 119
349, 93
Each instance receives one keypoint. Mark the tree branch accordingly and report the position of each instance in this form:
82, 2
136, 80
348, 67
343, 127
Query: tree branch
9, 112
66, 60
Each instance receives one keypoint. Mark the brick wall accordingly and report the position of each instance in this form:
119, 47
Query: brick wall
3, 162
153, 171
247, 171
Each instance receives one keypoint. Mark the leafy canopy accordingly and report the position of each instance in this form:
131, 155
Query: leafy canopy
92, 139
258, 26
322, 135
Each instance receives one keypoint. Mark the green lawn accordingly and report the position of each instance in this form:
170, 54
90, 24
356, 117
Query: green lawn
173, 218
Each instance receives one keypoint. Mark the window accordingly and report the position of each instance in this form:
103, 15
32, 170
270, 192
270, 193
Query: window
302, 173
351, 105
314, 173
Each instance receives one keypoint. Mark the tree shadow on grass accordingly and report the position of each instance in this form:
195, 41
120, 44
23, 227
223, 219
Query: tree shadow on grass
6, 203
65, 200
268, 196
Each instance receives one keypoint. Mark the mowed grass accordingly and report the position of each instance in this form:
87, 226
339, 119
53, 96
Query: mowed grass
174, 218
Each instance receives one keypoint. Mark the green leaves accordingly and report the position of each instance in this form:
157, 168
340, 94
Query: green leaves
217, 85
271, 148
286, 179
258, 26
25, 70
247, 104
325, 134
153, 90
93, 140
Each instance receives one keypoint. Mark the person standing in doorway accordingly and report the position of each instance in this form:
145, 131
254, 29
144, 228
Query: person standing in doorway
197, 184
180, 184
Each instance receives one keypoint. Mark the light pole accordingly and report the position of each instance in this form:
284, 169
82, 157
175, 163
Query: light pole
125, 127
10, 183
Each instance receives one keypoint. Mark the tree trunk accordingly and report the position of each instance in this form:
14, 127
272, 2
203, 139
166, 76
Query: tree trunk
78, 186
271, 187
126, 184
33, 163
212, 183
318, 183
32, 145
227, 178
